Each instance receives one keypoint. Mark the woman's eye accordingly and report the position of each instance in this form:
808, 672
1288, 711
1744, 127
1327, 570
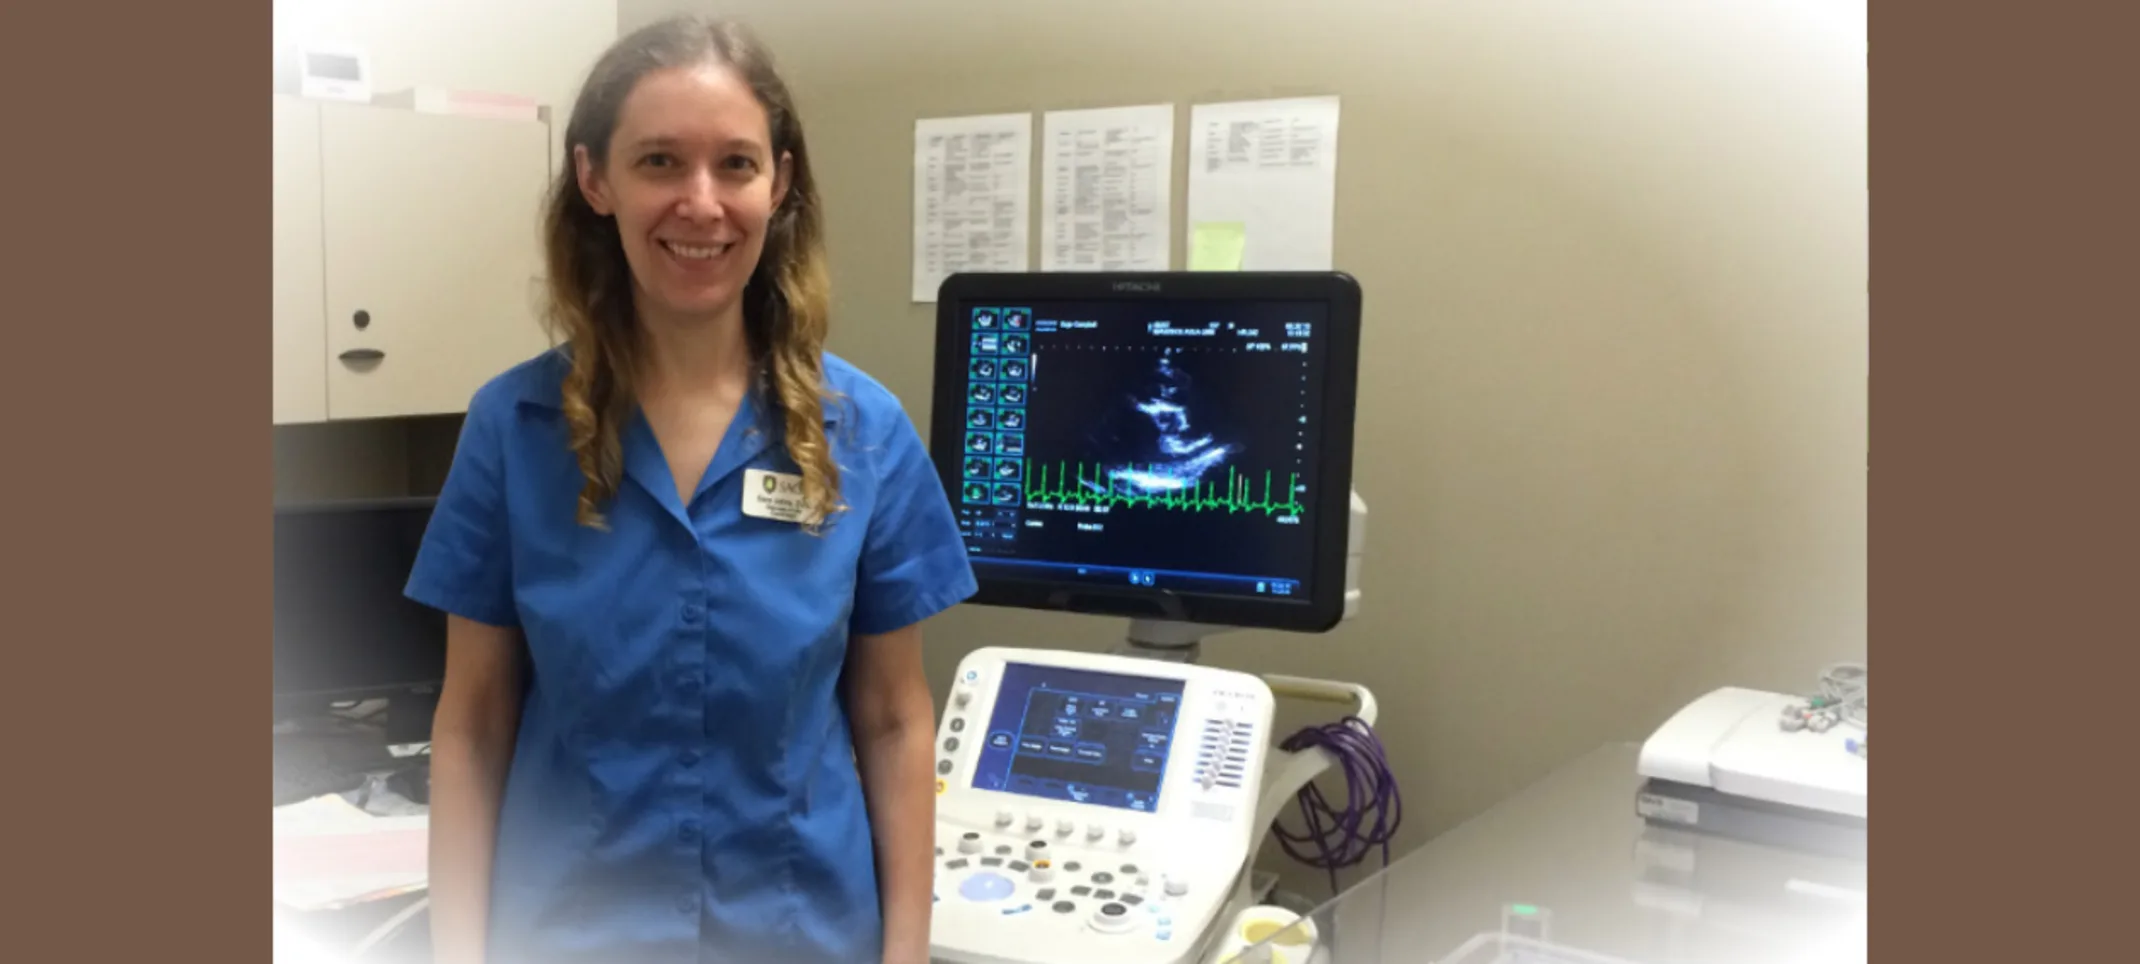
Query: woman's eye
741, 162
657, 160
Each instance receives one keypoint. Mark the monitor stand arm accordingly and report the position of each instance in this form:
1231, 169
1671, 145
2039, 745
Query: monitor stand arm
1167, 640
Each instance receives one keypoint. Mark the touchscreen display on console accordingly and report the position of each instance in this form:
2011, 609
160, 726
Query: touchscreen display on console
1069, 734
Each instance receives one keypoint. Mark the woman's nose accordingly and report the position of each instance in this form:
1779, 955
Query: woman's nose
701, 199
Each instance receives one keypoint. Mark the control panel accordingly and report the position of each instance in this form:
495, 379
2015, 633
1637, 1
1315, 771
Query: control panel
1091, 807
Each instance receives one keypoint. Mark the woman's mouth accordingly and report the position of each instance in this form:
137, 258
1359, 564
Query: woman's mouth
696, 253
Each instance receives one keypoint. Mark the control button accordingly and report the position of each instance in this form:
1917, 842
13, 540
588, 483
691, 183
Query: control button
958, 724
1004, 818
970, 843
1063, 827
962, 697
991, 861
1003, 850
1036, 850
939, 851
1033, 823
1073, 867
1103, 894
1112, 918
1095, 832
692, 614
1045, 893
951, 744
1129, 870
1019, 866
1042, 873
943, 767
1165, 935
1128, 837
1144, 880
1103, 877
1177, 887
984, 888
1132, 899
1064, 907
959, 864
1081, 891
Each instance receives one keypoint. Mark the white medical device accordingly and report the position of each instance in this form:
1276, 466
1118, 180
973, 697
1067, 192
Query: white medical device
1742, 763
1093, 807
1118, 445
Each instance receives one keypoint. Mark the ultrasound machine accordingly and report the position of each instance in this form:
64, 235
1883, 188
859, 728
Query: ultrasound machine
1170, 449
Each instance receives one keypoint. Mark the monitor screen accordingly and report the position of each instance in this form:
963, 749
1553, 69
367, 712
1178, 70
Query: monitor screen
1178, 446
1078, 735
343, 629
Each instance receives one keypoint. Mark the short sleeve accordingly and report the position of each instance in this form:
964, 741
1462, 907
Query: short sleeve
464, 565
913, 563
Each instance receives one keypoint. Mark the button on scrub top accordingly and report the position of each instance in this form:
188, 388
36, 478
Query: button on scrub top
683, 786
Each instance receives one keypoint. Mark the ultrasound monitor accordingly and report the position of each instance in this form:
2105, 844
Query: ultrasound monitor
1173, 446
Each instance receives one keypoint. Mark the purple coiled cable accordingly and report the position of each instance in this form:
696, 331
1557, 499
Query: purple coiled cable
1341, 837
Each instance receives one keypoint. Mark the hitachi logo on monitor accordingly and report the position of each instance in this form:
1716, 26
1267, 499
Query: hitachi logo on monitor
1145, 286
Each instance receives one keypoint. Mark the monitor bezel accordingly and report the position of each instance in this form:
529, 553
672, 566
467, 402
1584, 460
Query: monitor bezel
1324, 605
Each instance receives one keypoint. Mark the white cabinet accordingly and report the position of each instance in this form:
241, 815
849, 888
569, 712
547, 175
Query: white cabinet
412, 268
300, 290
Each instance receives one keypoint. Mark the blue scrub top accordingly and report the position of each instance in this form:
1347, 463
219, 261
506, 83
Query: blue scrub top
683, 788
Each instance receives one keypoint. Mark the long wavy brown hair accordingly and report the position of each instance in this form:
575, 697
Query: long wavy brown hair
785, 303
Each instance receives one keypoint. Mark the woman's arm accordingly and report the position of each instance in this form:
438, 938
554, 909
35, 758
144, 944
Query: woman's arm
894, 723
472, 738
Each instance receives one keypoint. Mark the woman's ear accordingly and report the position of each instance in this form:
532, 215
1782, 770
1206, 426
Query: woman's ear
590, 181
783, 175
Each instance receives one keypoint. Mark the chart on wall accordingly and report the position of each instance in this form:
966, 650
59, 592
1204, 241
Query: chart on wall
1107, 180
1262, 185
972, 189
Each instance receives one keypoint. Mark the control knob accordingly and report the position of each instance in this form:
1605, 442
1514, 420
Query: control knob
1042, 872
970, 843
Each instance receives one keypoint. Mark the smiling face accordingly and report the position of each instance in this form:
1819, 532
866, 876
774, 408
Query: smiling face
691, 179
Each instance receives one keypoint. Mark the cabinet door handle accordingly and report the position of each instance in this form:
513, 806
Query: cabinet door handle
363, 354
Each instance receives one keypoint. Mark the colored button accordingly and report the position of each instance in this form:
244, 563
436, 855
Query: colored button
959, 864
1064, 907
1103, 895
958, 724
1132, 899
1045, 893
984, 888
951, 744
1081, 891
1103, 877
991, 861
943, 767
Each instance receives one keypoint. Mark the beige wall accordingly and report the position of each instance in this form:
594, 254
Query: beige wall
534, 48
1613, 425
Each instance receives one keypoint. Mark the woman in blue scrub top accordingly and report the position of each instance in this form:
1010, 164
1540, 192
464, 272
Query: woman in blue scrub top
683, 557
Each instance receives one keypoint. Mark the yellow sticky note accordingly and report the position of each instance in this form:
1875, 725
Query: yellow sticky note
1216, 246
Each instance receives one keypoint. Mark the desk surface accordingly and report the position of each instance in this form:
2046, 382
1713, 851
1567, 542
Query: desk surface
1568, 860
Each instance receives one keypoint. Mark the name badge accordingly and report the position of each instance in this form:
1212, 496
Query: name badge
775, 495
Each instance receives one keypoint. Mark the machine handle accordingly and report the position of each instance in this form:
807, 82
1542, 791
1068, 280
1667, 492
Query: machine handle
363, 354
1326, 691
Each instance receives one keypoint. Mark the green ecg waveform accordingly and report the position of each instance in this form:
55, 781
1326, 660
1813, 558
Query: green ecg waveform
1236, 495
